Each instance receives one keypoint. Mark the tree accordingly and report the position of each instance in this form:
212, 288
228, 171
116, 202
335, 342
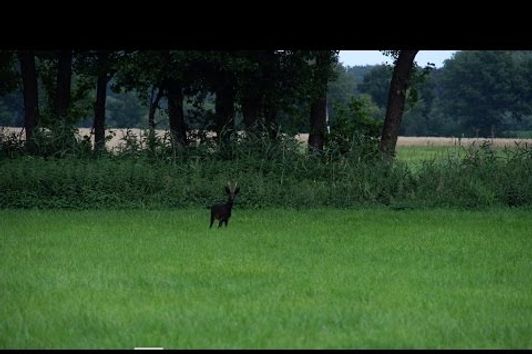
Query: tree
31, 97
143, 72
354, 127
176, 118
376, 83
221, 78
248, 78
274, 87
104, 75
322, 69
396, 100
67, 89
64, 81
420, 118
225, 109
254, 74
344, 87
482, 91
9, 77
165, 72
11, 101
124, 110
276, 77
156, 93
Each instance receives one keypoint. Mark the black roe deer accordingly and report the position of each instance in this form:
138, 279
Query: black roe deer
222, 212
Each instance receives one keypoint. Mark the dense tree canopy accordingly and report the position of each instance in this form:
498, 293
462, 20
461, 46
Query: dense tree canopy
494, 94
475, 93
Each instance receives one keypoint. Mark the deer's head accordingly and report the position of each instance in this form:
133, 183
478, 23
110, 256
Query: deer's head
232, 190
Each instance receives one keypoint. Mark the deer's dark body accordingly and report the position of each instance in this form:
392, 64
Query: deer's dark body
222, 212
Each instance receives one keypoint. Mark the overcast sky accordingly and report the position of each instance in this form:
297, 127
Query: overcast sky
372, 57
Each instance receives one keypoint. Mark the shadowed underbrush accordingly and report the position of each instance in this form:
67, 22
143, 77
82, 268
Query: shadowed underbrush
150, 172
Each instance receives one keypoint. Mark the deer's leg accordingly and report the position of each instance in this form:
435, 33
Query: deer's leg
220, 223
226, 221
212, 218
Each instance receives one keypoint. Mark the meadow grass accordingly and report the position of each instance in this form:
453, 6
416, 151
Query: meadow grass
323, 278
415, 155
418, 154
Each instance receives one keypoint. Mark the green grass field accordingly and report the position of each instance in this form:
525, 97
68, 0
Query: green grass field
415, 155
372, 278
418, 154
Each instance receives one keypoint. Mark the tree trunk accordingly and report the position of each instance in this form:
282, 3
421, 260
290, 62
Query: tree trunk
225, 111
396, 101
99, 107
270, 119
31, 97
318, 115
154, 103
270, 91
64, 76
251, 108
178, 130
318, 105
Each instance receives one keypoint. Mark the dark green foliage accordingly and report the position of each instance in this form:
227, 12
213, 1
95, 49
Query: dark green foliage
480, 178
60, 141
474, 93
344, 86
271, 174
124, 110
354, 123
12, 110
376, 83
9, 79
480, 93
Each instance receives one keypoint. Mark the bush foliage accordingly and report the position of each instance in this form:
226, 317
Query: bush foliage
271, 173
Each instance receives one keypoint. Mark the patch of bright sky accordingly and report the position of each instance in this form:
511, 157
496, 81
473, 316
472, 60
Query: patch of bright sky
374, 57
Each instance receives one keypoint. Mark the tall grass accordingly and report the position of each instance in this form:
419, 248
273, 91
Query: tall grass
272, 173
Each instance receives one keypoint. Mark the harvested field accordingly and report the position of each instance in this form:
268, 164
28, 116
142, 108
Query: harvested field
119, 134
450, 141
438, 141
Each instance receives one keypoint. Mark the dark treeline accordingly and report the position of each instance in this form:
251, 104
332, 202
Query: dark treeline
475, 94
183, 91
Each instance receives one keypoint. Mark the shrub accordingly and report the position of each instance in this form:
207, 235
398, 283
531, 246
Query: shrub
271, 173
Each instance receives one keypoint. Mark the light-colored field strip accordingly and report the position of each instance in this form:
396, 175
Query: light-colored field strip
119, 134
450, 141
